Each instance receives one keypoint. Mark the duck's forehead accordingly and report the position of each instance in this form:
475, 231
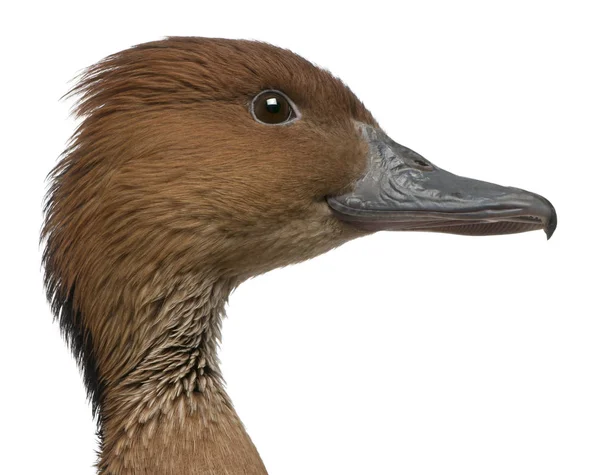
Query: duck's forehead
200, 69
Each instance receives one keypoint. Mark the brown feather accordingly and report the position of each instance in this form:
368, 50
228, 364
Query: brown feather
169, 195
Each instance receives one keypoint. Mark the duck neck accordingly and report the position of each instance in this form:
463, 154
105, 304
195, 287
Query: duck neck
170, 414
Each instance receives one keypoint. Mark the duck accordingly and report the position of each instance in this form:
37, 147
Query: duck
197, 164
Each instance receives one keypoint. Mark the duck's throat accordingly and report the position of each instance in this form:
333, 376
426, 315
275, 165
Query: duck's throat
170, 413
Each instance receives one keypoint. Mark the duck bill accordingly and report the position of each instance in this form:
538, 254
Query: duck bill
403, 191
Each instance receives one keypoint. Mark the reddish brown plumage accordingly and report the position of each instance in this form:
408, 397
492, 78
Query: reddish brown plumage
169, 195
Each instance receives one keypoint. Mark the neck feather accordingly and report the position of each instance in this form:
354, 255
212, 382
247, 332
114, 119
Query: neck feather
169, 414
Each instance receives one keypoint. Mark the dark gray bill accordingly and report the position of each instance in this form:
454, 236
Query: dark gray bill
403, 191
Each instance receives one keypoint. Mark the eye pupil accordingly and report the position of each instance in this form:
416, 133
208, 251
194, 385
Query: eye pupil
272, 107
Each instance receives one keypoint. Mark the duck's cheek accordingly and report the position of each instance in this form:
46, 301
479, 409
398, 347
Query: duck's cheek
319, 161
305, 239
293, 238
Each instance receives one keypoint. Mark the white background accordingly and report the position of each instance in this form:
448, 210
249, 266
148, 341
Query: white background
397, 353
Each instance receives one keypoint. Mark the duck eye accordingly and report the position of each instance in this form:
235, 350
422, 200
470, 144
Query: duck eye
272, 107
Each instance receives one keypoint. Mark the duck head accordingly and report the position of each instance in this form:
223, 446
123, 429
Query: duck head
197, 164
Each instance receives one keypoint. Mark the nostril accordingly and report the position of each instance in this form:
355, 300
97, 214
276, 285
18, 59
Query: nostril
423, 163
